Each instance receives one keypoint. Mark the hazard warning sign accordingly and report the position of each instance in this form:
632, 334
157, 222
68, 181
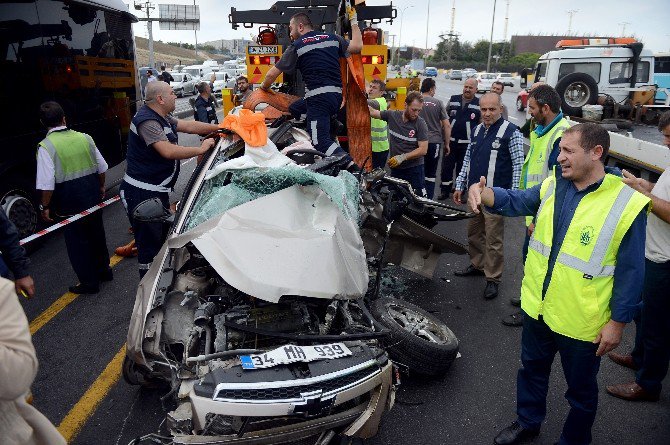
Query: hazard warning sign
260, 58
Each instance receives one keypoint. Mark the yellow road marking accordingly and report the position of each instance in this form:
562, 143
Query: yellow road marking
61, 303
86, 406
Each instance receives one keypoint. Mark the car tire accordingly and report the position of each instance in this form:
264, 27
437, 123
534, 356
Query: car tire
138, 375
519, 104
577, 90
20, 210
180, 93
429, 350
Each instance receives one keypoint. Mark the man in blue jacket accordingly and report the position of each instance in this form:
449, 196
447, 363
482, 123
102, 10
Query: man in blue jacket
317, 55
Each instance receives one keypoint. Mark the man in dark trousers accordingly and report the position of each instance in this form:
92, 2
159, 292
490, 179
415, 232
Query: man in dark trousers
464, 115
153, 163
439, 131
581, 281
496, 152
408, 138
651, 355
71, 177
317, 55
13, 258
205, 108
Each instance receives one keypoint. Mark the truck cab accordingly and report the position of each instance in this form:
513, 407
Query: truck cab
583, 69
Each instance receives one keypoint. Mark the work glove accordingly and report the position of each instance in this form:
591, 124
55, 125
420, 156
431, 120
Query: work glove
395, 161
351, 13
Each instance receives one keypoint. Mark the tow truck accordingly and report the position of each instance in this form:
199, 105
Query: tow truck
616, 73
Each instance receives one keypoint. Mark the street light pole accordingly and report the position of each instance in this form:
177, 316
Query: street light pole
425, 54
393, 36
402, 14
488, 60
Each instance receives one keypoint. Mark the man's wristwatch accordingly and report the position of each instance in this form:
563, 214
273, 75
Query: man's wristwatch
43, 207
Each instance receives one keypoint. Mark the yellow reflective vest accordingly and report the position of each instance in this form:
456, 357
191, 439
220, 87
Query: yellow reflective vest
576, 303
535, 167
379, 129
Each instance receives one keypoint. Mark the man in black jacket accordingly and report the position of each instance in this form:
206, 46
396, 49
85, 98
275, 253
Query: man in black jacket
13, 258
167, 77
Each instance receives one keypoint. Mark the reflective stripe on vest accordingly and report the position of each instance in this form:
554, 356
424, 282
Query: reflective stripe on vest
536, 165
379, 129
72, 153
326, 44
494, 153
576, 302
322, 90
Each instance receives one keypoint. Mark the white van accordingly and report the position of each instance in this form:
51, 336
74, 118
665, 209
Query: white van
583, 69
199, 72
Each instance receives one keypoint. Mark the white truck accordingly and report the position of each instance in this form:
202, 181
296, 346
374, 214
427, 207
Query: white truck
616, 73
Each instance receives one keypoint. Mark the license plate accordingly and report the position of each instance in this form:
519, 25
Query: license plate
292, 354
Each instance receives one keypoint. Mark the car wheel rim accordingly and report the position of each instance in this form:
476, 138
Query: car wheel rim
418, 325
577, 94
21, 213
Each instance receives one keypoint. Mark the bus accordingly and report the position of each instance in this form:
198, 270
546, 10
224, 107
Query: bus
661, 74
79, 53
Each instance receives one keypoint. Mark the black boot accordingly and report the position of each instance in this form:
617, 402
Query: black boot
514, 434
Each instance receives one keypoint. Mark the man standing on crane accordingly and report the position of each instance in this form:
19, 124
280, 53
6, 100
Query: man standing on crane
317, 55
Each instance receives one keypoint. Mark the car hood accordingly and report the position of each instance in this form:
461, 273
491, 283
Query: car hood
292, 242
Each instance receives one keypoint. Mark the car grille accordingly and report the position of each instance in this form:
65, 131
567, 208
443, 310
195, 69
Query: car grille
328, 387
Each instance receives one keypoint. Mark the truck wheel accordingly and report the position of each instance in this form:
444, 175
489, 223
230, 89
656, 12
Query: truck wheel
577, 90
21, 212
519, 104
417, 339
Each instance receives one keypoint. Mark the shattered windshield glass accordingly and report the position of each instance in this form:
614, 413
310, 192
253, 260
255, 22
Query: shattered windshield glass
232, 188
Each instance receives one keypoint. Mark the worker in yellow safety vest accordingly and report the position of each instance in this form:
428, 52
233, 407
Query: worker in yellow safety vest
544, 105
581, 280
378, 127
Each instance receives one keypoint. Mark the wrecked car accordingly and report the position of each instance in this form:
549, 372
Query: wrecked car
262, 311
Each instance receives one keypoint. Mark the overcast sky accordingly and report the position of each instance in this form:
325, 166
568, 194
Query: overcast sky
648, 20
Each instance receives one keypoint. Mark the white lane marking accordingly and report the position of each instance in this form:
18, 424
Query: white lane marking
514, 118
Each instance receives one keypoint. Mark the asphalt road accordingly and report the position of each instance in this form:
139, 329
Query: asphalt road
80, 340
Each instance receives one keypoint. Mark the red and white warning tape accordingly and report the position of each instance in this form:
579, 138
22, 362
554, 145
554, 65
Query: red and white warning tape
69, 220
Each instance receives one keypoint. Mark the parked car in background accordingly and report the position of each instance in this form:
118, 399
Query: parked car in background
454, 75
522, 100
468, 73
223, 80
485, 81
506, 78
430, 71
183, 84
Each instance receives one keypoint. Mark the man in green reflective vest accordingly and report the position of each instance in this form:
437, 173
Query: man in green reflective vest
581, 281
71, 177
379, 128
544, 105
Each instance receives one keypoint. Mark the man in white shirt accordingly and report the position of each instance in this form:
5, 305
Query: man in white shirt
651, 354
71, 178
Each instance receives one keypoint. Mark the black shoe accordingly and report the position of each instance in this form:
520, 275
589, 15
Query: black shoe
85, 289
443, 196
107, 275
514, 320
469, 271
491, 290
515, 433
515, 301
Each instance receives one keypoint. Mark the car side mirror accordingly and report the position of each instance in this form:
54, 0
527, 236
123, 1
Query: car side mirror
152, 211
